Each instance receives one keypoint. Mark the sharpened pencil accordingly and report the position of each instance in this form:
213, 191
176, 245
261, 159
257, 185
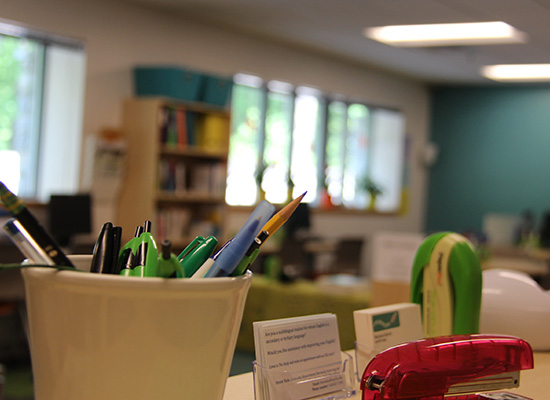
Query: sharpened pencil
282, 216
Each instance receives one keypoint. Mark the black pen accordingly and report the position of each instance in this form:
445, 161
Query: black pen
117, 238
127, 256
16, 207
103, 250
141, 254
127, 261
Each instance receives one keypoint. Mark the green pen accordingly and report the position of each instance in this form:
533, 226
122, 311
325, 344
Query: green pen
195, 254
147, 254
251, 254
168, 264
127, 254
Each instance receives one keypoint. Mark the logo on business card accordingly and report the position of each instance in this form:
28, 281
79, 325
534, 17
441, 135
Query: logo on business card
385, 321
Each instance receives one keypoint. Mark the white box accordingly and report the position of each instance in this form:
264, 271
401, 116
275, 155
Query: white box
379, 328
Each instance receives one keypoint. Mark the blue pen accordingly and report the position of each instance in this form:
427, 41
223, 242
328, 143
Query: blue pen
263, 212
233, 253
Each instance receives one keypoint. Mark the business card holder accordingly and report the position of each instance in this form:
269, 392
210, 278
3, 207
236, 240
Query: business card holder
363, 355
331, 381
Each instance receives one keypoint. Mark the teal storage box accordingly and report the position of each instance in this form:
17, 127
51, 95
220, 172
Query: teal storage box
217, 90
174, 82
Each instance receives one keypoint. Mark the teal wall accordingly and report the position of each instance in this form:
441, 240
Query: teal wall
494, 155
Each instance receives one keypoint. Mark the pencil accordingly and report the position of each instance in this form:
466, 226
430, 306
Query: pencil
16, 207
282, 216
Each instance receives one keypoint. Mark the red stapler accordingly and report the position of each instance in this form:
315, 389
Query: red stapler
456, 367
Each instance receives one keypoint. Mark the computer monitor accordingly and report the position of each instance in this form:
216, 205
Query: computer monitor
69, 215
299, 220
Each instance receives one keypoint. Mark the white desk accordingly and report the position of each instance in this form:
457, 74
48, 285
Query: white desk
533, 383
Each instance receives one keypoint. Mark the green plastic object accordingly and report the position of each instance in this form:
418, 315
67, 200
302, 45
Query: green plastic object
446, 282
195, 254
147, 254
168, 264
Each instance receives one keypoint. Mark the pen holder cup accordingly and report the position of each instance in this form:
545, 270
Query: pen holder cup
97, 336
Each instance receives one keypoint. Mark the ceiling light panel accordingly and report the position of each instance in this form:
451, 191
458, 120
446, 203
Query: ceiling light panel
517, 72
457, 34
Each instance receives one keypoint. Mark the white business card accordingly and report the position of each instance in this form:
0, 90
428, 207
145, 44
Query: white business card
299, 357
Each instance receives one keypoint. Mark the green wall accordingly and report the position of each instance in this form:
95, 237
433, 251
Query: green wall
494, 154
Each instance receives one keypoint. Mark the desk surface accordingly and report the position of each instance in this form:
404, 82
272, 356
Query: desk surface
533, 383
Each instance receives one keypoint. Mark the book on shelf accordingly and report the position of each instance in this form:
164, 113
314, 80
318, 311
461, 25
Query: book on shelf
181, 122
214, 130
207, 179
169, 132
172, 176
181, 128
200, 179
172, 223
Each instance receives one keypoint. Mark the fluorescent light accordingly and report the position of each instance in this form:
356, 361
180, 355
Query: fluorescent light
517, 72
457, 34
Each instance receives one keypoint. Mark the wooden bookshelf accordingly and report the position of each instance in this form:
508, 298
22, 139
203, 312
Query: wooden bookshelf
176, 169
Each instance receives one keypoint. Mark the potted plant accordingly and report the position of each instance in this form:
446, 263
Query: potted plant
373, 189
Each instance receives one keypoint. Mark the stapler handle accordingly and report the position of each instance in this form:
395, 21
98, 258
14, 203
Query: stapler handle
427, 368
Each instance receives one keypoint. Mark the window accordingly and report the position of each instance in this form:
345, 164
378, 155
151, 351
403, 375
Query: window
286, 140
41, 102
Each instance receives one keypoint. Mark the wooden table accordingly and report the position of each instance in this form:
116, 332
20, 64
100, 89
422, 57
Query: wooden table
533, 383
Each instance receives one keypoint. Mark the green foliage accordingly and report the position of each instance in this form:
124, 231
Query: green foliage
371, 187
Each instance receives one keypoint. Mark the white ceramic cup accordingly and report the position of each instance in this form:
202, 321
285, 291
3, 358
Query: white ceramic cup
96, 336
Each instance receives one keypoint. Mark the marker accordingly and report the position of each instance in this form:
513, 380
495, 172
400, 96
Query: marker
26, 244
233, 253
102, 259
195, 254
251, 254
16, 207
282, 216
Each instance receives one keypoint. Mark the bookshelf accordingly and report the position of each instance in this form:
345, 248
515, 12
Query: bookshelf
176, 168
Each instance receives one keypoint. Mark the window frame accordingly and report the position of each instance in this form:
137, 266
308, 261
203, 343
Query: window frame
55, 171
325, 100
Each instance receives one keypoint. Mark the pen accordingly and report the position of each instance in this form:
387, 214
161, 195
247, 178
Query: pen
205, 267
168, 264
282, 216
195, 254
102, 259
268, 229
233, 253
117, 237
16, 207
147, 254
127, 255
127, 260
251, 253
263, 212
26, 244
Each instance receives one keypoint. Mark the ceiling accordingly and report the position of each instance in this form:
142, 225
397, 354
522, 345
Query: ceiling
335, 27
